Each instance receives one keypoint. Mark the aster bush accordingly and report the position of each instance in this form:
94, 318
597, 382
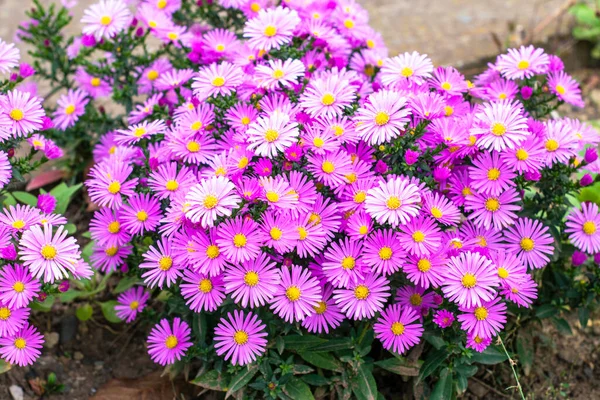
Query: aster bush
293, 213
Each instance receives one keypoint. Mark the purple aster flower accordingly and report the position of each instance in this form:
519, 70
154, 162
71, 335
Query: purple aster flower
23, 347
565, 88
327, 314
383, 117
426, 271
394, 201
296, 295
17, 286
239, 239
12, 319
470, 279
497, 211
531, 241
364, 298
484, 320
327, 97
241, 337
168, 344
131, 302
421, 236
70, 107
252, 283
477, 343
161, 268
202, 292
210, 199
523, 62
20, 114
343, 264
500, 125
46, 202
271, 28
398, 328
406, 69
443, 318
582, 227
383, 252
142, 214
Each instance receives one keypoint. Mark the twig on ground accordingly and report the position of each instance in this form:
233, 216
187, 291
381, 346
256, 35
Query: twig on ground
548, 20
493, 389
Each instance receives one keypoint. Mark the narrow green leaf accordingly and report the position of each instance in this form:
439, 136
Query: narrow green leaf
398, 367
563, 326
45, 306
70, 228
433, 361
126, 283
69, 295
298, 390
545, 311
4, 366
108, 310
315, 380
525, 351
241, 379
489, 356
466, 370
363, 384
213, 380
584, 316
25, 198
322, 360
443, 388
333, 345
301, 343
84, 312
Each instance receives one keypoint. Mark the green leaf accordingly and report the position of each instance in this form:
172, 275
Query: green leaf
443, 387
489, 356
433, 361
562, 325
300, 369
363, 384
241, 379
298, 390
584, 14
435, 341
213, 380
315, 380
108, 310
322, 360
461, 384
45, 306
70, 228
87, 251
584, 316
4, 366
398, 367
84, 312
333, 345
546, 311
301, 343
69, 295
25, 198
63, 194
126, 283
9, 200
466, 370
525, 351
280, 343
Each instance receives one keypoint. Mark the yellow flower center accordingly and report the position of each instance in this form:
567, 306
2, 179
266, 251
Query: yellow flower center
18, 224
589, 228
165, 263
111, 251
551, 145
406, 72
105, 20
328, 167
218, 81
196, 125
245, 121
70, 109
446, 86
239, 240
349, 24
337, 130
255, 7
416, 299
19, 287
498, 129
95, 82
152, 75
210, 202
114, 187
172, 185
212, 252
271, 135
522, 155
492, 204
171, 342
139, 132
527, 244
502, 96
466, 191
20, 343
385, 253
293, 293
481, 313
436, 212
16, 114
363, 230
270, 31
240, 338
393, 203
502, 273
275, 233
361, 292
205, 286
272, 197
477, 339
493, 174
114, 227
448, 111
278, 74
142, 215
382, 118
351, 177
318, 142
397, 328
327, 99
48, 252
193, 146
251, 278
560, 89
482, 241
360, 197
424, 265
523, 64
161, 4
173, 35
418, 236
4, 313
468, 280
243, 163
348, 262
321, 307
302, 233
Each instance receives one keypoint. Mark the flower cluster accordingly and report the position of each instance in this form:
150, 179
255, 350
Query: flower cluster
35, 251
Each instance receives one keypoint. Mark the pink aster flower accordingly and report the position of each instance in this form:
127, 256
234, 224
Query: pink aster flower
105, 228
131, 302
383, 117
69, 108
210, 199
449, 81
19, 218
420, 236
217, 79
134, 133
277, 232
106, 19
522, 292
565, 88
523, 62
364, 298
500, 125
5, 169
92, 85
241, 337
202, 292
427, 270
9, 56
383, 252
252, 283
393, 202
20, 114
161, 268
470, 279
48, 254
272, 134
23, 347
327, 96
239, 239
241, 115
109, 258
12, 319
583, 228
17, 286
326, 314
271, 28
279, 72
168, 344
208, 258
398, 328
343, 264
490, 175
296, 295
169, 181
497, 211
443, 318
142, 214
528, 156
484, 320
559, 142
331, 168
406, 69
440, 208
531, 241
108, 184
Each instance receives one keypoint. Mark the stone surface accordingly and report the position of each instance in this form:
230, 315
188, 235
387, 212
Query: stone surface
16, 392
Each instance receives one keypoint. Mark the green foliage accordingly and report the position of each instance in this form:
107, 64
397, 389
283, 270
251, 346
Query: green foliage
588, 24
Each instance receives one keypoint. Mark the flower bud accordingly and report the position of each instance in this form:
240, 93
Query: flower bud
586, 180
578, 258
526, 92
63, 286
591, 155
411, 157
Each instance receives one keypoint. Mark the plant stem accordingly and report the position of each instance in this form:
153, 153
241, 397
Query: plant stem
512, 366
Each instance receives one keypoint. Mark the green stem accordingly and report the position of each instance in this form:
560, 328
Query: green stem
512, 366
